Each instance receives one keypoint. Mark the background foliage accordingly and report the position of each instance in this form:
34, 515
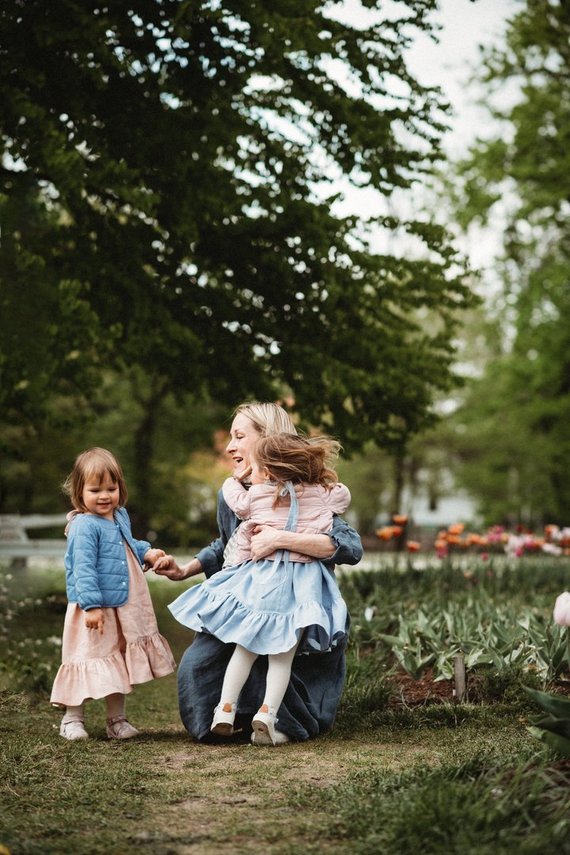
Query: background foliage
514, 425
169, 230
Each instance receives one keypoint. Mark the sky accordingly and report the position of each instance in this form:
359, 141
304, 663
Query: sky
449, 64
466, 25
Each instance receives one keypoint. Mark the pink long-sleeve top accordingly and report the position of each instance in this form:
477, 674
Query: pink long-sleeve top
317, 504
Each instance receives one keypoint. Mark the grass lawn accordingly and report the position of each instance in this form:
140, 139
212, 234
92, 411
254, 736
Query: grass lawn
431, 777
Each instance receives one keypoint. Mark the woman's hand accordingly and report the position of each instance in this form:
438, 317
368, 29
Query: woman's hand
169, 567
94, 619
266, 539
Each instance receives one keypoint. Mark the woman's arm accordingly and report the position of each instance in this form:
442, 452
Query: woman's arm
342, 545
169, 567
210, 559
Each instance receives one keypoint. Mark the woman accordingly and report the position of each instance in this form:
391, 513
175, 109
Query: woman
317, 680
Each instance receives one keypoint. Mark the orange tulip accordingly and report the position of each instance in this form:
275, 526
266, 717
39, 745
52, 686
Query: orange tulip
440, 544
400, 519
384, 533
413, 546
456, 528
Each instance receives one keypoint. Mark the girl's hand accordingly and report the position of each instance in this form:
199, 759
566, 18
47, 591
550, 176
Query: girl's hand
152, 555
169, 567
242, 474
94, 619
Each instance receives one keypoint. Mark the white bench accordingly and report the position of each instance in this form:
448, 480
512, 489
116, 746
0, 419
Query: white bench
15, 543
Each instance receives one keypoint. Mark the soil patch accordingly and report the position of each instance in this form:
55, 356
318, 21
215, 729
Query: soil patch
412, 692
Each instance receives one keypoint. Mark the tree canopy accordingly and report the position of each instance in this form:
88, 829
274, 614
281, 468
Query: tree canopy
518, 414
162, 203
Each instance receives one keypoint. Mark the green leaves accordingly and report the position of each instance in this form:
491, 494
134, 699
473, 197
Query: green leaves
485, 634
178, 154
517, 413
554, 728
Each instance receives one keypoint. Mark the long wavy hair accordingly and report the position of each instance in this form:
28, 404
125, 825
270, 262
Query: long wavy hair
299, 459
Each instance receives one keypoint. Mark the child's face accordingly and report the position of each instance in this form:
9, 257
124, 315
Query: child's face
101, 497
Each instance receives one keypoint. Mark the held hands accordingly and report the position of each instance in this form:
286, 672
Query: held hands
94, 619
168, 566
152, 555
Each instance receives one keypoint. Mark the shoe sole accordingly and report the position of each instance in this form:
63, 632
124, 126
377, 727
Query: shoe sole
223, 729
261, 730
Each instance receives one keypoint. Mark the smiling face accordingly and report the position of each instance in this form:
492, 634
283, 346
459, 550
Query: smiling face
243, 437
101, 496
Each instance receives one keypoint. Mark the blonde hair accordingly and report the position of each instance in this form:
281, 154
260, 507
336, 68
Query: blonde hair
94, 463
299, 459
267, 419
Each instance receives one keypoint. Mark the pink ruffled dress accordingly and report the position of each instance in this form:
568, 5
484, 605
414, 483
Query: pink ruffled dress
130, 650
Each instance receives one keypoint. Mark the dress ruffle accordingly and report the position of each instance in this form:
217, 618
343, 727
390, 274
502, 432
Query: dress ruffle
301, 600
143, 660
130, 649
149, 658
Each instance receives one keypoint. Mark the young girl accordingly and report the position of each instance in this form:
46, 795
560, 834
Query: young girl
110, 636
281, 603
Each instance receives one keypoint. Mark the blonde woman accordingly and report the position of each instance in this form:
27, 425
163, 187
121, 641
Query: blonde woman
317, 679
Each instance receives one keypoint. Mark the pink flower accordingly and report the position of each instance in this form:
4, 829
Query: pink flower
561, 611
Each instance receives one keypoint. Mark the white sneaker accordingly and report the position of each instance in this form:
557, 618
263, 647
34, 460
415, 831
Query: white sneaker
119, 728
223, 721
264, 732
264, 738
73, 729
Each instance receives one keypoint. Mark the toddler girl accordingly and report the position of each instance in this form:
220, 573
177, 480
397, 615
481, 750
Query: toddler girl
110, 636
285, 602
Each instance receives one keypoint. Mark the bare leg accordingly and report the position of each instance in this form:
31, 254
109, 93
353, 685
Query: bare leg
115, 705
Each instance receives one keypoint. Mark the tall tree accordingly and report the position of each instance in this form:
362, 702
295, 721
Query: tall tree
519, 412
181, 158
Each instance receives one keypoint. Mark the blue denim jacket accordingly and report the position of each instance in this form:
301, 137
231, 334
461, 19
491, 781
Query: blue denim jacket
96, 571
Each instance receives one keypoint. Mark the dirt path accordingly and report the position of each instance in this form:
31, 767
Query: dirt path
242, 799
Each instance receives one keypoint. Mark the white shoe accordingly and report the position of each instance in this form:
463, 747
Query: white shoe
73, 729
119, 728
264, 732
223, 721
264, 738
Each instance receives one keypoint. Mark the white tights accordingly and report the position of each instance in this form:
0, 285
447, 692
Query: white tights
278, 675
115, 706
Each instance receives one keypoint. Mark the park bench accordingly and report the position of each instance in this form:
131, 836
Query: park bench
17, 547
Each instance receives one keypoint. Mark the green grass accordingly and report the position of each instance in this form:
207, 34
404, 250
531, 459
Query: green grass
484, 804
439, 778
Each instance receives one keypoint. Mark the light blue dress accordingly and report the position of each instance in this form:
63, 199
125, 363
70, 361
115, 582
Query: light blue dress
268, 605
